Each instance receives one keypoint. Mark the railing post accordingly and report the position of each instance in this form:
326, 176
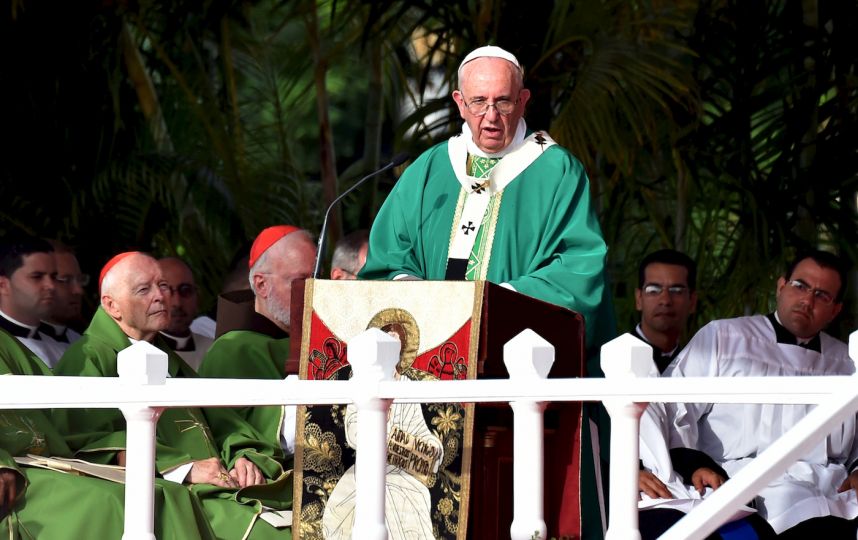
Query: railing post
623, 360
853, 347
373, 356
528, 358
138, 365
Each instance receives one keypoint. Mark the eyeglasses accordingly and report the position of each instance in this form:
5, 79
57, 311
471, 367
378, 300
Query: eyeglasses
654, 289
81, 279
820, 295
480, 106
184, 290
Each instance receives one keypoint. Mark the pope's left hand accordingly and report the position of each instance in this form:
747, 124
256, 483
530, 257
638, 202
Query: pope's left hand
246, 473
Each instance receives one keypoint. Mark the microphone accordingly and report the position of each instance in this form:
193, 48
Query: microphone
397, 160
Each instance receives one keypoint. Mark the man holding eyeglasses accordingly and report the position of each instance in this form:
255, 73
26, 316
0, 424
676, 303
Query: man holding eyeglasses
815, 496
182, 305
503, 203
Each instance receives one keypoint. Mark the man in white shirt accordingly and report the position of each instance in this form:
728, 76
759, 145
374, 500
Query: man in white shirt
817, 494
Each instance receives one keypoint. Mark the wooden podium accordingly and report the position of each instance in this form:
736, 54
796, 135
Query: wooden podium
498, 315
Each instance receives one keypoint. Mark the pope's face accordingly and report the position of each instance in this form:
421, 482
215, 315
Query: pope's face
491, 80
800, 308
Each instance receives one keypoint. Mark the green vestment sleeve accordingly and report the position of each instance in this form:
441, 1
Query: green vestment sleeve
244, 354
55, 505
26, 431
183, 434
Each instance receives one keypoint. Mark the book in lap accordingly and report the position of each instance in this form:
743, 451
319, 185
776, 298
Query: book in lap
114, 473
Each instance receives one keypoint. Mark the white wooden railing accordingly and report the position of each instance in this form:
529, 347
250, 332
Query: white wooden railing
142, 391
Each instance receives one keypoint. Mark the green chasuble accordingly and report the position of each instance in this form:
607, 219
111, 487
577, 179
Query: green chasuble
53, 505
183, 435
546, 241
539, 233
244, 354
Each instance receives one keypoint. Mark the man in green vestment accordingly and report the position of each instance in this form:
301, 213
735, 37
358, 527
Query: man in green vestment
279, 255
502, 203
52, 505
214, 451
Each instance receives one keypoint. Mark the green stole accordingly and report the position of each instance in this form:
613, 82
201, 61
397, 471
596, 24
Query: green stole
478, 261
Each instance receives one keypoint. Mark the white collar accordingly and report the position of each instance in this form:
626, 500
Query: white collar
662, 353
32, 328
517, 139
798, 340
180, 341
58, 328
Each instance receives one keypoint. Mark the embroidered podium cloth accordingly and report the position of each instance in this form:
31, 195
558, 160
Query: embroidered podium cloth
429, 445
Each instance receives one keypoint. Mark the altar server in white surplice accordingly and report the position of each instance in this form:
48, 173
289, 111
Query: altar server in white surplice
817, 494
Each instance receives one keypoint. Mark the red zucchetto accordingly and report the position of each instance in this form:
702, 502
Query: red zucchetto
266, 239
111, 263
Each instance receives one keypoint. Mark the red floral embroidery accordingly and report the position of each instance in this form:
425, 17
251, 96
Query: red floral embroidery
325, 363
447, 364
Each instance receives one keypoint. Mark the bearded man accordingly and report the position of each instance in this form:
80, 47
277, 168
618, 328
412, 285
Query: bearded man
280, 255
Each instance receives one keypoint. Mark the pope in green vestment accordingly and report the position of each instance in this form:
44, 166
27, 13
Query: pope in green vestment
57, 505
546, 243
499, 202
184, 435
545, 240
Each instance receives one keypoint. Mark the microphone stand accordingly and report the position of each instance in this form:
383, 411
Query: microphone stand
397, 160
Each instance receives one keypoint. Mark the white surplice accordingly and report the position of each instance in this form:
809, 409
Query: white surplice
655, 457
733, 434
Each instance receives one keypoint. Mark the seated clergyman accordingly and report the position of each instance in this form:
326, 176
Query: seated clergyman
214, 450
816, 494
52, 505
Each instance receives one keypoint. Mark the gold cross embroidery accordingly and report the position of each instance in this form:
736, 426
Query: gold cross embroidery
197, 423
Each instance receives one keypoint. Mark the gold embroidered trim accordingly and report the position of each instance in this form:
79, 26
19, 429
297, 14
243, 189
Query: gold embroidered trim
301, 411
457, 217
489, 235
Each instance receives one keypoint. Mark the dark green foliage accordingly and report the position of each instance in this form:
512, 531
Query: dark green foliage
723, 128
